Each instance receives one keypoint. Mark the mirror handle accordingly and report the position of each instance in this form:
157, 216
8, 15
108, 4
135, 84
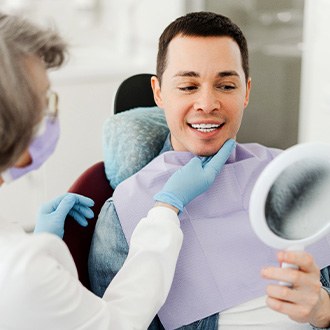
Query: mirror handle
287, 265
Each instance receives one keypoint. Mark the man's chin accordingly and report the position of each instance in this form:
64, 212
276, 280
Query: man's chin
201, 149
207, 151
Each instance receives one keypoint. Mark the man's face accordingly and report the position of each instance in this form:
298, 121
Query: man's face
203, 93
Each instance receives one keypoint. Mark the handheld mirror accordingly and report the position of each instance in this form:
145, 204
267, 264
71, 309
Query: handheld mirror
290, 202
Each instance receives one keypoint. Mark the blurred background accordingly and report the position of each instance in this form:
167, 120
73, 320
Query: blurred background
113, 39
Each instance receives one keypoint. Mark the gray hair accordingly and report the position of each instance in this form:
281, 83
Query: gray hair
20, 104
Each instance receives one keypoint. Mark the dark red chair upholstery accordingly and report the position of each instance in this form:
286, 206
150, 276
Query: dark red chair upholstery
94, 184
135, 91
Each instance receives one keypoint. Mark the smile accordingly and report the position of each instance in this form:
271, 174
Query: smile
206, 128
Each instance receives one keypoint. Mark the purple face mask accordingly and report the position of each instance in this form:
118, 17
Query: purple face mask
41, 147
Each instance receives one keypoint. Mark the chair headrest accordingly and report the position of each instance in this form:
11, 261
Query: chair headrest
131, 139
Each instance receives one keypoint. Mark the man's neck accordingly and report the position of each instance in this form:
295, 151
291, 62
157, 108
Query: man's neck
167, 144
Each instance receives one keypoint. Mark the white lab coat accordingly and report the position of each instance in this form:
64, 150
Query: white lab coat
39, 287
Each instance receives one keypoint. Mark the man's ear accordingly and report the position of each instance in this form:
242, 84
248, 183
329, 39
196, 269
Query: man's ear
157, 92
247, 94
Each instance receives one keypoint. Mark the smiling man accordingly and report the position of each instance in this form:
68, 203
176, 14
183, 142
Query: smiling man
203, 104
203, 86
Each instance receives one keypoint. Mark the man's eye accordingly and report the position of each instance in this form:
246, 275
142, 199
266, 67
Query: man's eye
187, 88
226, 87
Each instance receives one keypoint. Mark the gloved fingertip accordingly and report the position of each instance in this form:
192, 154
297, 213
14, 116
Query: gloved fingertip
80, 219
196, 161
84, 223
91, 203
89, 214
230, 144
83, 210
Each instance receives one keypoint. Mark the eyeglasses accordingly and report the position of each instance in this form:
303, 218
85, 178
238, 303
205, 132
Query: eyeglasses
52, 105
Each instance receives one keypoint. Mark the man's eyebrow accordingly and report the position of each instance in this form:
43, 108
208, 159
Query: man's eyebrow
221, 74
186, 74
229, 73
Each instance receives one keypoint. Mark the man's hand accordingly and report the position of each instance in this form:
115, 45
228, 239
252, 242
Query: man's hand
305, 301
52, 215
194, 178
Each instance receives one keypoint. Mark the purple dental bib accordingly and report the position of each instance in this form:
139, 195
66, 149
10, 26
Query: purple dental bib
221, 258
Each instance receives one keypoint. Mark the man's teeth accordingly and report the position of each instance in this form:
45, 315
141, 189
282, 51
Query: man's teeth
205, 127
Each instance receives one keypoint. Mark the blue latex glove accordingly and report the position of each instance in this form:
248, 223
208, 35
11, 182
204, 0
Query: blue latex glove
52, 215
194, 178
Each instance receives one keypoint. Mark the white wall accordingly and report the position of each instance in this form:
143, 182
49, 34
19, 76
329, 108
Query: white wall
315, 87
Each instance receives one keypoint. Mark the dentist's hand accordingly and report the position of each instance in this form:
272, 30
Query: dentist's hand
52, 215
194, 178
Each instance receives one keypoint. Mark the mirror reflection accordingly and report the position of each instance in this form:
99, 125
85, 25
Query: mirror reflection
297, 205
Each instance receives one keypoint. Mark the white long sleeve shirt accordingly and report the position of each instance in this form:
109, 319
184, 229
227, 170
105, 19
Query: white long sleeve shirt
39, 287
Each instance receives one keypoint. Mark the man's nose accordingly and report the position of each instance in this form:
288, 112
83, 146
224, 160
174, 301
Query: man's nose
207, 100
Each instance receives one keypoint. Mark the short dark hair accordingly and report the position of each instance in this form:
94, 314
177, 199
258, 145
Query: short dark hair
201, 24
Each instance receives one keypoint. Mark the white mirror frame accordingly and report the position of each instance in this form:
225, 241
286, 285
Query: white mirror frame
263, 185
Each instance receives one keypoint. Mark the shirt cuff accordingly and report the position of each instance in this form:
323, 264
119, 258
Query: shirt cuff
163, 213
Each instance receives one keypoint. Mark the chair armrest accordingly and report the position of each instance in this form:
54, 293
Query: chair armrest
93, 184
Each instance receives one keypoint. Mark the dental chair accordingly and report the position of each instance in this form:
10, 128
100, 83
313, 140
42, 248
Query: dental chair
133, 92
94, 184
